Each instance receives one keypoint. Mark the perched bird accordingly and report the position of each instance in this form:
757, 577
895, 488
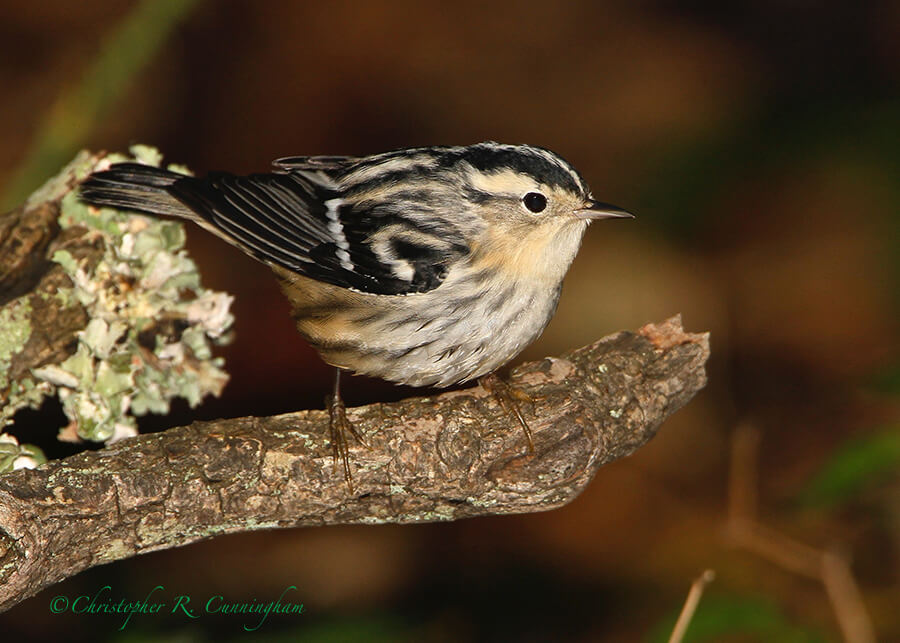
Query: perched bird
427, 266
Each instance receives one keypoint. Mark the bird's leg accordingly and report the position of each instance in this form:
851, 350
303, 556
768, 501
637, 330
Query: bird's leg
338, 427
508, 397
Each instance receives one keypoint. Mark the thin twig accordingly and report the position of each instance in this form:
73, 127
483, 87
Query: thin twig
743, 476
846, 599
690, 605
773, 546
827, 567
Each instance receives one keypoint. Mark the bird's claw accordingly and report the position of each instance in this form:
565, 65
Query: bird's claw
339, 427
508, 396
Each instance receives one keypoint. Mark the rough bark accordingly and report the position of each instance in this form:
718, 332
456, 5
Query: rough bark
28, 238
447, 457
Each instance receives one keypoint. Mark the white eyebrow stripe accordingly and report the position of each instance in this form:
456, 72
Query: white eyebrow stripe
337, 229
501, 182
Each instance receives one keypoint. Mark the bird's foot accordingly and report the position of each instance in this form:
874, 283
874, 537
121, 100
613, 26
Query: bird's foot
509, 397
339, 427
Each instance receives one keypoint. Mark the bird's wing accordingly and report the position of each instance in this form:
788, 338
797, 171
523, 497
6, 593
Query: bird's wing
313, 163
299, 221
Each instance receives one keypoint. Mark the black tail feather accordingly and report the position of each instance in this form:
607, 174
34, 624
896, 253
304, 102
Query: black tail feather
132, 186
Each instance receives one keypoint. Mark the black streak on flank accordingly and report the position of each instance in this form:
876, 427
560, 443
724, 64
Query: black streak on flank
463, 304
447, 353
349, 347
499, 302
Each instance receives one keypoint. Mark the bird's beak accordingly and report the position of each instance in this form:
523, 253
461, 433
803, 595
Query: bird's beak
597, 210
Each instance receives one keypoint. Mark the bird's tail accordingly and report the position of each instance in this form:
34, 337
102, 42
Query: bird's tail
132, 186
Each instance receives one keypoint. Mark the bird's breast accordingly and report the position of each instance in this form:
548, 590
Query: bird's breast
466, 328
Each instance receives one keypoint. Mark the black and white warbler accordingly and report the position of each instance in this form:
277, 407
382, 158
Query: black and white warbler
428, 266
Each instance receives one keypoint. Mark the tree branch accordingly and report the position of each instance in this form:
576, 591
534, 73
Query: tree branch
447, 457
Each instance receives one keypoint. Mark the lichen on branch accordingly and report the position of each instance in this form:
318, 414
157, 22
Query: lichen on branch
116, 322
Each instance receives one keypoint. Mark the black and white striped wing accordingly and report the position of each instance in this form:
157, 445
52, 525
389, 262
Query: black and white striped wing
298, 220
314, 163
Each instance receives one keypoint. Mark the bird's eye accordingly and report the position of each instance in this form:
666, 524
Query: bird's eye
535, 201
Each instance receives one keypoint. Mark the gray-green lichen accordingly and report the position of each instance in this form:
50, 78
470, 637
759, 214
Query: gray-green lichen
18, 456
15, 329
152, 325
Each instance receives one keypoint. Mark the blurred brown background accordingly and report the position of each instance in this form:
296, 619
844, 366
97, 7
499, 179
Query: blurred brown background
758, 143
